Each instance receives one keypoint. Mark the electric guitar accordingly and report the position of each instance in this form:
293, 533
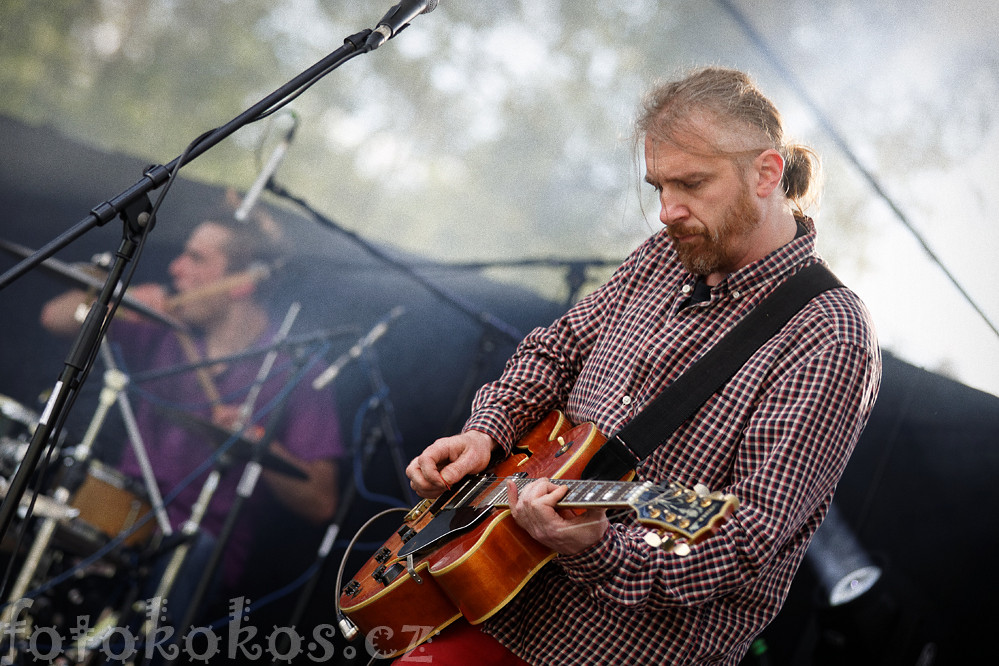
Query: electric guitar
464, 555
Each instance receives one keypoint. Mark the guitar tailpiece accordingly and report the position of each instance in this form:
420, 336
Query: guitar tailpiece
411, 570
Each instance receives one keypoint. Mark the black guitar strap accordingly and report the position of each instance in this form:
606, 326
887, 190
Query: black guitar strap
681, 399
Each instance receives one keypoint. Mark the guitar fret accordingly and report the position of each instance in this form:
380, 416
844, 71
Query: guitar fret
596, 492
496, 496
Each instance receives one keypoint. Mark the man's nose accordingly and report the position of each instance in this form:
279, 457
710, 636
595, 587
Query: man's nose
672, 209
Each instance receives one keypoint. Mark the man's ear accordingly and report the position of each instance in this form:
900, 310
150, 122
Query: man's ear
770, 172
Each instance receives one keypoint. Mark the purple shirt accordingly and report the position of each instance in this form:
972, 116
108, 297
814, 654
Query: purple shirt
308, 428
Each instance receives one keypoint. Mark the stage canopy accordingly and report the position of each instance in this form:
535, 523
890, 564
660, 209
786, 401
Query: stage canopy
498, 134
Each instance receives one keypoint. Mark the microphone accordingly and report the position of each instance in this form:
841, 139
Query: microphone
398, 18
377, 331
266, 174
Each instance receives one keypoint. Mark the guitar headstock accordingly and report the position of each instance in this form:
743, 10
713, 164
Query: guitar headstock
691, 515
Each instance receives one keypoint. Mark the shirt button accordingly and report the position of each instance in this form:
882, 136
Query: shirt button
687, 289
626, 400
736, 294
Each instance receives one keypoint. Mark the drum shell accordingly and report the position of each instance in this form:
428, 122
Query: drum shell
113, 504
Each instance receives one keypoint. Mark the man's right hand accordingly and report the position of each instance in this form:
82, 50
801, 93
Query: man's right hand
63, 314
448, 460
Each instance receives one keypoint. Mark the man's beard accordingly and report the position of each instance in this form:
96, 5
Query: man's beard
713, 253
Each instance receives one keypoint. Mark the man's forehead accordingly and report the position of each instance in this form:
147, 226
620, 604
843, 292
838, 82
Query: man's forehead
703, 132
667, 159
208, 239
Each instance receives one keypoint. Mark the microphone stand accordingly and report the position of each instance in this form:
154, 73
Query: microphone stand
130, 204
137, 222
303, 340
251, 471
389, 432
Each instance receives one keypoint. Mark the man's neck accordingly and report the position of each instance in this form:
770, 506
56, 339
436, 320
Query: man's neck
235, 330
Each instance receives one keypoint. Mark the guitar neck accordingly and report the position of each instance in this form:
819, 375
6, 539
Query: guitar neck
491, 491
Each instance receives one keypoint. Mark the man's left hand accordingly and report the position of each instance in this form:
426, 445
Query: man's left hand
566, 531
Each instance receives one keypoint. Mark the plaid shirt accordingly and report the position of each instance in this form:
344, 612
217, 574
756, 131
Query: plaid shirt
778, 436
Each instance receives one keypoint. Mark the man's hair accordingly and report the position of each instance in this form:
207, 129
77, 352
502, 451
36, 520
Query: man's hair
257, 244
728, 96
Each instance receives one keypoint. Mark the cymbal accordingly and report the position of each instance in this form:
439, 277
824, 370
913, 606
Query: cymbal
242, 449
83, 279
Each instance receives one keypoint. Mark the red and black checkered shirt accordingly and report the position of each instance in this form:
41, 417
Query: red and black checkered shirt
777, 436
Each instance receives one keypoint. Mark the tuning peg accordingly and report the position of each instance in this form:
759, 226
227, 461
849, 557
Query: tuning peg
669, 544
653, 539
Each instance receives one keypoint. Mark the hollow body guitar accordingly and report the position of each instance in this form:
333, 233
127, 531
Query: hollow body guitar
464, 555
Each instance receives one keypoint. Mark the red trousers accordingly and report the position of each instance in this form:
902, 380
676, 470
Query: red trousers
461, 644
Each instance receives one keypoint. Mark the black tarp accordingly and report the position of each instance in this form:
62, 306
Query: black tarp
919, 493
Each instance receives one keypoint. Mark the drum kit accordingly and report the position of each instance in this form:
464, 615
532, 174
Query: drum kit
80, 531
86, 536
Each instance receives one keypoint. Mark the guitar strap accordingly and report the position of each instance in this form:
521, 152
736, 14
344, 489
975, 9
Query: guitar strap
681, 399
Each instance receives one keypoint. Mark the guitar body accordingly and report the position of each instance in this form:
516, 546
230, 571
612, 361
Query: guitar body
498, 557
463, 554
474, 573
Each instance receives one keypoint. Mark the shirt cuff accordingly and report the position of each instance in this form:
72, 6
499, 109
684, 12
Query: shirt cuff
599, 562
493, 422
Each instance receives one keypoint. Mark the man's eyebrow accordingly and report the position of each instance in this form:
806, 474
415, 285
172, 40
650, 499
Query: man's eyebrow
679, 178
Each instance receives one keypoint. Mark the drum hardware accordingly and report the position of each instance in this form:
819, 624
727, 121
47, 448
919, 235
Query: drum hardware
115, 382
30, 565
105, 506
44, 506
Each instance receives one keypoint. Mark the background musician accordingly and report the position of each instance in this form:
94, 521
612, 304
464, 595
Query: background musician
218, 293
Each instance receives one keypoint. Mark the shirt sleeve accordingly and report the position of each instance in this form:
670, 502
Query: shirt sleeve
786, 466
540, 374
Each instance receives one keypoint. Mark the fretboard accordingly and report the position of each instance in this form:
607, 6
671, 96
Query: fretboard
489, 491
